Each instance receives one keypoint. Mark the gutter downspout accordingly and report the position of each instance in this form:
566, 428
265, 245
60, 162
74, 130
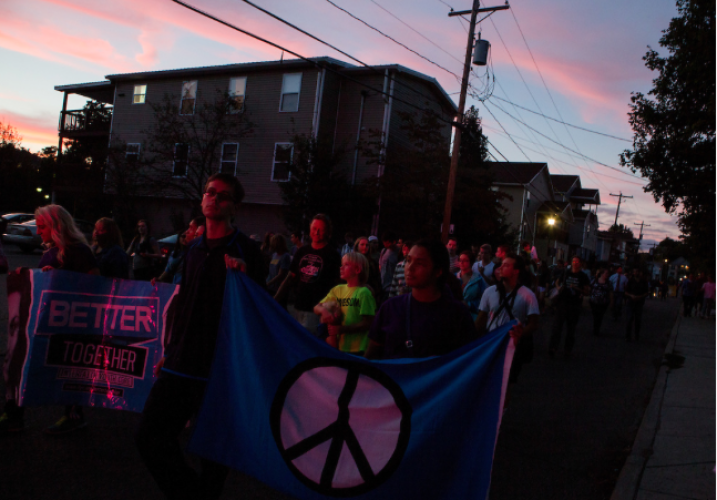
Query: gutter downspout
358, 136
522, 216
384, 137
317, 102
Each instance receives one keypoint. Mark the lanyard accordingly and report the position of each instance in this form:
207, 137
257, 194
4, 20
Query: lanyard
409, 340
506, 303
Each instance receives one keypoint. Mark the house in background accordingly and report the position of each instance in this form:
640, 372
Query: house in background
583, 238
323, 98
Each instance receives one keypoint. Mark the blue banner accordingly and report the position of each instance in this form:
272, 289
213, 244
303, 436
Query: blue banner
316, 423
83, 339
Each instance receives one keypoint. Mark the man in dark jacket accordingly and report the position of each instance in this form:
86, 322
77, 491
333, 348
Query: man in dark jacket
183, 372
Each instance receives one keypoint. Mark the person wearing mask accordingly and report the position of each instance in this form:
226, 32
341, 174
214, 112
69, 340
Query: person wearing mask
173, 271
600, 295
183, 373
278, 266
314, 271
472, 284
143, 250
349, 309
112, 260
452, 247
424, 322
484, 264
66, 250
618, 282
387, 261
509, 300
636, 292
573, 286
363, 246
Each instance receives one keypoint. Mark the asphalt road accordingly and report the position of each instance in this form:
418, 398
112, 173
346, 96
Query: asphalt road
566, 434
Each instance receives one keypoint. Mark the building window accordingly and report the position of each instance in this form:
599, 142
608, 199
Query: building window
283, 153
229, 158
132, 154
140, 94
181, 154
290, 88
237, 91
189, 97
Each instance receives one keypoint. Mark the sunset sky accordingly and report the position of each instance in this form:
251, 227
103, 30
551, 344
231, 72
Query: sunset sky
588, 53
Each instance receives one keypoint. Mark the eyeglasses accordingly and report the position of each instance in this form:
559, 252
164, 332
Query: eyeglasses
221, 196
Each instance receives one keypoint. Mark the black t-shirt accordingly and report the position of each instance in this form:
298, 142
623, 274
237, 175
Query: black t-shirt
78, 257
637, 287
317, 272
600, 292
574, 296
198, 307
436, 327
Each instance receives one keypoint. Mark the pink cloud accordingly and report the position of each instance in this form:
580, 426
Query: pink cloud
39, 131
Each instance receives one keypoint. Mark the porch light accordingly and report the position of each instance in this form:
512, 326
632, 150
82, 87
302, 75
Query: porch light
551, 222
39, 190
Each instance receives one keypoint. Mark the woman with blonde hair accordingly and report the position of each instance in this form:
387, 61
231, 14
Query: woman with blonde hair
67, 250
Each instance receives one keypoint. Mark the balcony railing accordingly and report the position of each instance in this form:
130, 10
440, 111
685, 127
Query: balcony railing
89, 121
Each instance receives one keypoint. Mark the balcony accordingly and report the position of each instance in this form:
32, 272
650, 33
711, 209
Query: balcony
87, 122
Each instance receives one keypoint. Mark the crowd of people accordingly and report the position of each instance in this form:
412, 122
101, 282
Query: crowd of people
381, 299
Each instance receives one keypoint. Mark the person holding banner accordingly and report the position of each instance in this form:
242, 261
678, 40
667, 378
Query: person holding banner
67, 250
183, 374
508, 300
426, 322
112, 260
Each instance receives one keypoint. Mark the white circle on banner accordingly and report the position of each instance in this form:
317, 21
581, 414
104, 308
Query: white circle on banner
342, 427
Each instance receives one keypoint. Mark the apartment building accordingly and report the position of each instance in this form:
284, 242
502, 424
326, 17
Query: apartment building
322, 97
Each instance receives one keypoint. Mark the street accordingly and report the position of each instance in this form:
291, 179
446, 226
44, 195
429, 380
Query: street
567, 431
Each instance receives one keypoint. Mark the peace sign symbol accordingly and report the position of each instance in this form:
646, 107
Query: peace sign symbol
341, 426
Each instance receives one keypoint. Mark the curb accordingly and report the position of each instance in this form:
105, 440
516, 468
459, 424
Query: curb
628, 482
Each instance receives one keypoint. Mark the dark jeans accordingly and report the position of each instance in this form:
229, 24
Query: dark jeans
599, 311
634, 315
171, 403
617, 306
569, 314
688, 304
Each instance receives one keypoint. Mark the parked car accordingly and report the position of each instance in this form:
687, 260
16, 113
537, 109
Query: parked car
25, 235
7, 219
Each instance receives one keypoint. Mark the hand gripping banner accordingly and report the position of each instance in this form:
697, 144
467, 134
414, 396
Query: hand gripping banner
81, 339
317, 423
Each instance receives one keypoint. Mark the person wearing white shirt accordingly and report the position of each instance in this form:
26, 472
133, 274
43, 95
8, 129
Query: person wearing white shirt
484, 264
618, 282
510, 300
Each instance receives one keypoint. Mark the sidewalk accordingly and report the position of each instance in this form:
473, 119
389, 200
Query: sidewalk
673, 456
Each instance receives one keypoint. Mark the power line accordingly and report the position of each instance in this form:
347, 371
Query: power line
526, 85
393, 39
306, 59
546, 86
564, 123
562, 145
284, 21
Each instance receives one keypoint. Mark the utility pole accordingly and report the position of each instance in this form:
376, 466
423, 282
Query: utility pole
461, 109
619, 201
642, 225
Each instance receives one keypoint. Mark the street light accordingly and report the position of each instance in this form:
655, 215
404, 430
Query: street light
551, 222
39, 190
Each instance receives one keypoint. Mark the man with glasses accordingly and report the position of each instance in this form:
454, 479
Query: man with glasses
183, 372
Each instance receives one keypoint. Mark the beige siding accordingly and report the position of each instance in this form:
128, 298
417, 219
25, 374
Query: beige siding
256, 152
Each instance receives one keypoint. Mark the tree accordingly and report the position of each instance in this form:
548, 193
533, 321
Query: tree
412, 188
622, 230
674, 141
316, 185
178, 155
23, 181
9, 135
